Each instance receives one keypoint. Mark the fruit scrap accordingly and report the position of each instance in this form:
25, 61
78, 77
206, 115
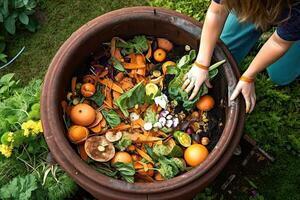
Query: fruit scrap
77, 134
144, 155
122, 157
109, 83
164, 44
205, 103
73, 85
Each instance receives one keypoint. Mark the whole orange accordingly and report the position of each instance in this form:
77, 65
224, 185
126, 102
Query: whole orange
159, 55
77, 134
205, 103
88, 89
195, 154
122, 157
83, 114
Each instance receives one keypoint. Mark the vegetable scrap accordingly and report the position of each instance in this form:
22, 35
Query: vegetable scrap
129, 117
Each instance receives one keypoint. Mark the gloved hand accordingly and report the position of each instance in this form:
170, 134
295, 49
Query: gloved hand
194, 79
248, 91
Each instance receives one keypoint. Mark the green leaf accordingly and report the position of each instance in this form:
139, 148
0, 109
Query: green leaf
135, 96
138, 45
98, 97
25, 2
111, 117
1, 17
3, 58
24, 18
18, 3
2, 46
10, 25
150, 115
3, 89
117, 65
123, 143
5, 10
19, 188
32, 25
6, 78
127, 171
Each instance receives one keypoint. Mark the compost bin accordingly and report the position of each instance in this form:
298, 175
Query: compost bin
127, 23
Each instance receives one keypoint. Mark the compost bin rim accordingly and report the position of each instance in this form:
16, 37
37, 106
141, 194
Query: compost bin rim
64, 148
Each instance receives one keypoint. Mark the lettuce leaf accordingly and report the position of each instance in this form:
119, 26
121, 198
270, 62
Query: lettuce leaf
111, 117
135, 96
183, 66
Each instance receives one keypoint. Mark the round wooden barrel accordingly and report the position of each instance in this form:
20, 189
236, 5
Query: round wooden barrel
127, 23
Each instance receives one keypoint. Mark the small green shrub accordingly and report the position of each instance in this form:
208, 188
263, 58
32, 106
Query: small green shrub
194, 8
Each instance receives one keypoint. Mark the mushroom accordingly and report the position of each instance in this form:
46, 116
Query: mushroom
113, 137
99, 148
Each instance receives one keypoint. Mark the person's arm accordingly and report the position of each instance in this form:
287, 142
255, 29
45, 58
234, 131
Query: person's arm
271, 51
212, 28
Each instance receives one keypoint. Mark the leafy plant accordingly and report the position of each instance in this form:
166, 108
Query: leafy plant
15, 13
126, 171
98, 97
19, 188
195, 8
137, 45
123, 143
129, 99
183, 66
7, 85
14, 109
169, 168
111, 117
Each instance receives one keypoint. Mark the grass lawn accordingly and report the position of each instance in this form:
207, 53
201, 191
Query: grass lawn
274, 124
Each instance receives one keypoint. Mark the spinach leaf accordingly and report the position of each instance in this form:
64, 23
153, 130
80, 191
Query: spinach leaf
98, 97
111, 117
135, 96
106, 169
137, 45
127, 171
117, 65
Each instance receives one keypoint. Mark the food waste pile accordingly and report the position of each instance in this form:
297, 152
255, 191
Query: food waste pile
128, 117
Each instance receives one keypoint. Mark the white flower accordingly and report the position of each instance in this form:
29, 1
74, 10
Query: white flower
162, 121
162, 101
169, 123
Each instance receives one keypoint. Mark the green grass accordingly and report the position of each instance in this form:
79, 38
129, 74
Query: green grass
274, 124
61, 19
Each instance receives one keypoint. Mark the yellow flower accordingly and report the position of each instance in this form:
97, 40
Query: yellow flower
6, 150
31, 126
40, 126
10, 137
